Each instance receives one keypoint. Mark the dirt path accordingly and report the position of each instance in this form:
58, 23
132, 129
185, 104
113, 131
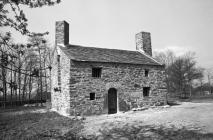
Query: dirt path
190, 117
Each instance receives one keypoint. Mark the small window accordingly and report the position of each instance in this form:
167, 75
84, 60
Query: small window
92, 96
146, 72
58, 58
146, 91
59, 72
96, 72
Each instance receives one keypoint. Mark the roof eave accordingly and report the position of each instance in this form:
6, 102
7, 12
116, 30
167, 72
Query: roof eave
116, 62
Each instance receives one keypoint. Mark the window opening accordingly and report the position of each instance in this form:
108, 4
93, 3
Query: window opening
92, 96
96, 72
146, 91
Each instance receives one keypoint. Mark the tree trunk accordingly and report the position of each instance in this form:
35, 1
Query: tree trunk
19, 85
40, 76
201, 87
209, 80
46, 85
24, 87
11, 85
30, 85
4, 79
19, 79
15, 88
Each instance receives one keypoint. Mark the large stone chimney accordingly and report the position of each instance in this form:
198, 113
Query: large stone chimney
143, 42
62, 32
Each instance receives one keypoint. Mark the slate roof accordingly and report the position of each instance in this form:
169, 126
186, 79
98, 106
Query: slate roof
92, 54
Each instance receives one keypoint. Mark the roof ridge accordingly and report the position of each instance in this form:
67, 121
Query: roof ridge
95, 54
101, 48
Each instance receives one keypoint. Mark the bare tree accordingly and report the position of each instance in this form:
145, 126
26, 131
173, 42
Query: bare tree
180, 72
192, 71
12, 16
167, 58
201, 82
183, 72
41, 49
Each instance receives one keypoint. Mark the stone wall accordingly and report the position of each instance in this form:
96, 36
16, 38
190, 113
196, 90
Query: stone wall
128, 80
60, 93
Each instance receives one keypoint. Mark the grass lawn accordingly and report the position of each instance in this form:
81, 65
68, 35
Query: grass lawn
47, 125
184, 121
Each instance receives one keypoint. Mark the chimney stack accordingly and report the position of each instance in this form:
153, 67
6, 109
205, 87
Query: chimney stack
143, 42
61, 32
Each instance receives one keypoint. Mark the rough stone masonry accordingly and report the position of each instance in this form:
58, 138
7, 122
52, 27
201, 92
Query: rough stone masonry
88, 80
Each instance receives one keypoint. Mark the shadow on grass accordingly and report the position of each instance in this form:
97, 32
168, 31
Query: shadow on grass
148, 132
42, 126
173, 103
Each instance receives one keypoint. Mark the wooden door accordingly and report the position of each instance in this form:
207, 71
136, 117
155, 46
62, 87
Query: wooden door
112, 101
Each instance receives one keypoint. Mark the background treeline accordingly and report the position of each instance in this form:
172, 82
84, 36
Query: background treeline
25, 71
184, 77
24, 68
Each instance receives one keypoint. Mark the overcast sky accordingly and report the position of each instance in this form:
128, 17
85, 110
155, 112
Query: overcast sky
180, 25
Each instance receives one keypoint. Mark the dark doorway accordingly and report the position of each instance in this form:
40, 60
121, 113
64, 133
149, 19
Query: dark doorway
112, 101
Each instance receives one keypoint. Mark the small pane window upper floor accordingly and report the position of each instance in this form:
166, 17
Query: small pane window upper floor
146, 73
96, 72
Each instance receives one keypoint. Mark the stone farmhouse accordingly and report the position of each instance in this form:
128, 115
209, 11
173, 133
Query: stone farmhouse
89, 80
